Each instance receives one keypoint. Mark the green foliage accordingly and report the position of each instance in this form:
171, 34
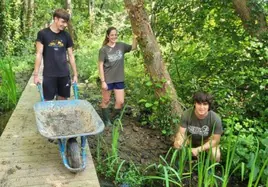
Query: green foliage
87, 59
247, 150
91, 35
110, 165
208, 49
8, 90
153, 111
11, 23
129, 174
166, 173
205, 47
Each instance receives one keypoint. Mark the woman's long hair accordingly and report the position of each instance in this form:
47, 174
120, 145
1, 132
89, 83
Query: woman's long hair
106, 40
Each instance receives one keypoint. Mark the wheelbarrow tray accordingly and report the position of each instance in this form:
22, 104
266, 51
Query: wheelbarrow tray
67, 119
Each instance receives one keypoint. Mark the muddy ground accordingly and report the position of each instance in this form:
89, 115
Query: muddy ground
137, 143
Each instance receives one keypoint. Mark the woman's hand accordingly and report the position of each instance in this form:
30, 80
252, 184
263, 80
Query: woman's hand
104, 85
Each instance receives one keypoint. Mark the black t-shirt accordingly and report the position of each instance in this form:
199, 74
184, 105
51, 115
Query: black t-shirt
54, 52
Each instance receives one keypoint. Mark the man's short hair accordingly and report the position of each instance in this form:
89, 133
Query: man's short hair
61, 13
202, 97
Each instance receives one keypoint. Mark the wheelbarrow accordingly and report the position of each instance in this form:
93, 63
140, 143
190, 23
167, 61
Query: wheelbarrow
65, 121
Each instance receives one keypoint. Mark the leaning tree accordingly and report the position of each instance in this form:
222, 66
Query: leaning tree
151, 52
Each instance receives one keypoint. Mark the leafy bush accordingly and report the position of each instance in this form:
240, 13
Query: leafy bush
9, 89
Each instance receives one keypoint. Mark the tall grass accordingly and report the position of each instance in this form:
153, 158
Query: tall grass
115, 137
128, 174
8, 87
226, 171
206, 169
170, 172
111, 164
261, 172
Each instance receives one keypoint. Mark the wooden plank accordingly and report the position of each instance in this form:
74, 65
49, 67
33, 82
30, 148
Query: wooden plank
56, 183
32, 158
27, 144
51, 179
86, 183
6, 165
43, 171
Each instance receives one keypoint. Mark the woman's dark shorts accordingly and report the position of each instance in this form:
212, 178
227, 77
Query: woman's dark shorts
56, 86
116, 86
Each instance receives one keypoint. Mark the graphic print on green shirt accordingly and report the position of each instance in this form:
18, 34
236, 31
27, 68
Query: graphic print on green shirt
113, 61
200, 129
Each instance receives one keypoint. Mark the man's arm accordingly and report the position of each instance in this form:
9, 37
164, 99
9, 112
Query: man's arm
38, 59
180, 138
213, 141
72, 63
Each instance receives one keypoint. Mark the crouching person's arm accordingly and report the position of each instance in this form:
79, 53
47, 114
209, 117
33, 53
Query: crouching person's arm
213, 144
180, 138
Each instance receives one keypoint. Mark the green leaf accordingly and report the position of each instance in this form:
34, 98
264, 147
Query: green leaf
264, 142
148, 105
142, 101
149, 83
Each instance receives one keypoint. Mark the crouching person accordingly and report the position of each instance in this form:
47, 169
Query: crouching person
200, 126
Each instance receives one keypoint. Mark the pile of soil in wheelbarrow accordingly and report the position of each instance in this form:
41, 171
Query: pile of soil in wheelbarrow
63, 121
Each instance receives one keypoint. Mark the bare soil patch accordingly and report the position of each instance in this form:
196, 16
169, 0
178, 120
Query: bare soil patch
139, 144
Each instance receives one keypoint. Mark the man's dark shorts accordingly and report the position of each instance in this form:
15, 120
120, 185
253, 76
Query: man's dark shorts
116, 86
56, 86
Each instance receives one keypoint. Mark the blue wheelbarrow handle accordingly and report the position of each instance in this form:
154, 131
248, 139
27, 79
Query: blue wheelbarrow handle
75, 89
40, 91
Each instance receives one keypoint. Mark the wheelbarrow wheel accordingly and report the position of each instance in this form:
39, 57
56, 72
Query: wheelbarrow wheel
73, 153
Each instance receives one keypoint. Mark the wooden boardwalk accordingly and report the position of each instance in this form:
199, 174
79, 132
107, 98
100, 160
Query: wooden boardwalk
28, 159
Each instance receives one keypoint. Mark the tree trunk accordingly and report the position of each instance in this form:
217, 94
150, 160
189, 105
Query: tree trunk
91, 6
70, 25
2, 18
91, 12
30, 13
25, 17
253, 18
151, 52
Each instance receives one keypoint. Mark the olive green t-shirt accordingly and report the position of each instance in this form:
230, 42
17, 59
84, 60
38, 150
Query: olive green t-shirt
201, 128
113, 61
